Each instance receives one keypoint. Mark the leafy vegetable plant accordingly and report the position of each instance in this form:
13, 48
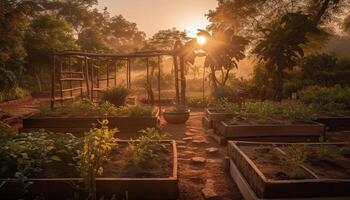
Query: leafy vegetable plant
145, 146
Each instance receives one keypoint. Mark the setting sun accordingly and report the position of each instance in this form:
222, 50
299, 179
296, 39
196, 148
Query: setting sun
201, 40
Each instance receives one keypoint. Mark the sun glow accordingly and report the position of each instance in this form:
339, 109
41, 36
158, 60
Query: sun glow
201, 40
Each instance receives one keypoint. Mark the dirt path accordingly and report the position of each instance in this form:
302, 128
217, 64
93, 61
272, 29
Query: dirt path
194, 176
19, 109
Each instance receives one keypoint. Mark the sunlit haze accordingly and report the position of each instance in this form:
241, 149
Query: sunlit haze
153, 15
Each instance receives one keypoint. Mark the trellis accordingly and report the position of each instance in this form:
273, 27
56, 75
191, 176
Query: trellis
88, 73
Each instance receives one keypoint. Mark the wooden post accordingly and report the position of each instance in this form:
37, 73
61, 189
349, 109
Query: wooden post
127, 73
147, 79
92, 79
70, 76
183, 81
60, 78
203, 84
87, 77
159, 106
53, 83
107, 75
176, 73
115, 73
82, 76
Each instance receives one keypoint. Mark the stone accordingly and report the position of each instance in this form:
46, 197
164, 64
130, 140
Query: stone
180, 142
201, 141
189, 134
198, 160
189, 152
187, 138
209, 192
212, 150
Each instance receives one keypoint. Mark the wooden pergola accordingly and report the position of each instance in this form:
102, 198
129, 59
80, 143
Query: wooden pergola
87, 72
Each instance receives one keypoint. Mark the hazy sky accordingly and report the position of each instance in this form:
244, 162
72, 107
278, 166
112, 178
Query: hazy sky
153, 15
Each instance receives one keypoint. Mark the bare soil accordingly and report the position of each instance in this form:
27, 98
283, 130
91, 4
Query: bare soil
331, 165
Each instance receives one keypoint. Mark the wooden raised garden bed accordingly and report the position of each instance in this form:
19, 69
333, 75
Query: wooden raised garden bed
259, 173
279, 131
212, 117
141, 184
125, 124
335, 122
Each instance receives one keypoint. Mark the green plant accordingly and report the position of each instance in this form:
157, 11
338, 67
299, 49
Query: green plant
345, 151
197, 102
116, 95
177, 109
296, 156
329, 99
136, 111
106, 108
24, 153
145, 147
97, 145
298, 112
224, 105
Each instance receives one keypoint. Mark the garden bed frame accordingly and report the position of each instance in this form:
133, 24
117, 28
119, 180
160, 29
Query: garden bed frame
338, 123
211, 118
134, 188
312, 129
79, 125
254, 185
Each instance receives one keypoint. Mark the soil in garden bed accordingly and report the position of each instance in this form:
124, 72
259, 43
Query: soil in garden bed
119, 165
329, 165
266, 158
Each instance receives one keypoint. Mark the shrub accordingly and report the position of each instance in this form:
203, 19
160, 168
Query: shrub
116, 95
13, 93
197, 102
226, 92
334, 99
224, 105
136, 111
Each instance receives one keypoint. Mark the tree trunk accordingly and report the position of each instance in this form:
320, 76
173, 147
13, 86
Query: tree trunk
176, 72
38, 80
183, 81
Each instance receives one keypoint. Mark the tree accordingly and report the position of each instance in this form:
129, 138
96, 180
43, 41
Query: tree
281, 47
91, 39
13, 22
224, 50
165, 39
45, 35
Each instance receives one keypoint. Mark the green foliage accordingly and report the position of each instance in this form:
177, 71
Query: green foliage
177, 109
197, 102
145, 147
165, 39
24, 154
225, 49
97, 146
325, 70
224, 105
345, 151
225, 92
269, 110
137, 111
297, 154
13, 93
281, 47
116, 95
329, 99
7, 79
13, 20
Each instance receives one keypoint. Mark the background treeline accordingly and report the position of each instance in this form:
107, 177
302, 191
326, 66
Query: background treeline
31, 29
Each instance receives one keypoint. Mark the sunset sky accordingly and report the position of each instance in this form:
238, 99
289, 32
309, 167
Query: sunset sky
154, 15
